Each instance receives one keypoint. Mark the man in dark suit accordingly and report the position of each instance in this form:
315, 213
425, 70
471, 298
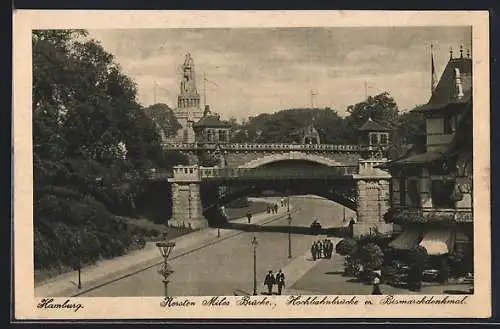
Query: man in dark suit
269, 281
280, 280
249, 216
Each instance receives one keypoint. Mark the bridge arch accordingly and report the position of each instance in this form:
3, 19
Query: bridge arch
293, 155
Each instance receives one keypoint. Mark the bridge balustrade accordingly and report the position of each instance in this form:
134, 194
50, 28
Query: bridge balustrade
262, 146
264, 173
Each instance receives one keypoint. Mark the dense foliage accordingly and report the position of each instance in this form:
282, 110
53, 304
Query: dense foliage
287, 126
92, 142
346, 247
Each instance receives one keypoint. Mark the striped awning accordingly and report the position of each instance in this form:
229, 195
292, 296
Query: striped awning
438, 242
406, 240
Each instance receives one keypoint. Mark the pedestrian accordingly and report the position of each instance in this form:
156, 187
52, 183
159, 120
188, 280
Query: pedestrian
313, 250
276, 208
318, 250
249, 216
282, 202
376, 284
280, 280
269, 281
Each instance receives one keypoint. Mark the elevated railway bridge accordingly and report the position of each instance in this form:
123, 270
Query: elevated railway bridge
346, 174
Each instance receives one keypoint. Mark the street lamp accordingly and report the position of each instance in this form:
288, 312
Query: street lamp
254, 244
289, 218
165, 269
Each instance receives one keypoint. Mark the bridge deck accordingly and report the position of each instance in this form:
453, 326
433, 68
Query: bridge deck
214, 174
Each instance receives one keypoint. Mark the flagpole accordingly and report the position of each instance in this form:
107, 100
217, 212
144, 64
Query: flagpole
433, 71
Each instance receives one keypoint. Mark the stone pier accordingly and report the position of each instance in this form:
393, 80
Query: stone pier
187, 209
373, 198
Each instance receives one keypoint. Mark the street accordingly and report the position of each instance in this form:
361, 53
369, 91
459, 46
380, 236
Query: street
227, 266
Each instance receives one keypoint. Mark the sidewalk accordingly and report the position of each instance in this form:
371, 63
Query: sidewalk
139, 260
298, 268
325, 277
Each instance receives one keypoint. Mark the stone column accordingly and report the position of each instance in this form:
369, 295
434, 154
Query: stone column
373, 198
187, 210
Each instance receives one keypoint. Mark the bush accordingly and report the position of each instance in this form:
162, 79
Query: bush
351, 266
346, 247
371, 256
418, 257
460, 262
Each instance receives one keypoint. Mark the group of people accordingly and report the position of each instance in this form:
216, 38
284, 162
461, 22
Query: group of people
322, 249
272, 208
271, 280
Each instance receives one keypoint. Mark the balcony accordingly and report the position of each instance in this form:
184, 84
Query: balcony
411, 215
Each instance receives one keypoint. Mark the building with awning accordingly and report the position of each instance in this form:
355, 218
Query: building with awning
432, 187
407, 240
438, 242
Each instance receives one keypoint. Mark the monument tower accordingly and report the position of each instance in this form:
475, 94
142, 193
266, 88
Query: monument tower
188, 108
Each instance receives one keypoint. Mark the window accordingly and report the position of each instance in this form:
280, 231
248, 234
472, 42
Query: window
222, 135
383, 139
209, 135
373, 139
442, 194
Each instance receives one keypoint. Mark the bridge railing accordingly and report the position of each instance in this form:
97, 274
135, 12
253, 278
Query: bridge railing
262, 147
265, 173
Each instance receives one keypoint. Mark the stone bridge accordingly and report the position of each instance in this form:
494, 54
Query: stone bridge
346, 174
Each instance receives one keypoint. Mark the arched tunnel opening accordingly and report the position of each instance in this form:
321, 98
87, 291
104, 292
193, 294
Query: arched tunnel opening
342, 192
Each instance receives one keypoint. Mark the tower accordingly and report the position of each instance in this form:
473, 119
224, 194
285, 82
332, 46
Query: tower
188, 102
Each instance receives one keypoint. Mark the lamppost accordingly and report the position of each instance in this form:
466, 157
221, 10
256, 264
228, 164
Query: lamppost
254, 244
165, 269
289, 218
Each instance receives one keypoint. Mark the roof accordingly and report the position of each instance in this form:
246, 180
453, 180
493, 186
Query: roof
371, 125
212, 121
445, 92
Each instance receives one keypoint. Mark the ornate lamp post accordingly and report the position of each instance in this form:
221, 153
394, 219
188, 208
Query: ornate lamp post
254, 244
165, 269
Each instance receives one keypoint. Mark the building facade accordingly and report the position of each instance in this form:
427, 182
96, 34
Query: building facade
431, 197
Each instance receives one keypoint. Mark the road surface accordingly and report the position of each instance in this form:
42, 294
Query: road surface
227, 265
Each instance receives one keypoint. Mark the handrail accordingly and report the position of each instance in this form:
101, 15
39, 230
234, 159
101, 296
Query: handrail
255, 173
261, 146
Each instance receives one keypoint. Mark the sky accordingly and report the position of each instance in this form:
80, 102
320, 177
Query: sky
253, 71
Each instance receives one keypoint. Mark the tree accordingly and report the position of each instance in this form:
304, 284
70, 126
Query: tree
91, 143
381, 108
164, 118
409, 133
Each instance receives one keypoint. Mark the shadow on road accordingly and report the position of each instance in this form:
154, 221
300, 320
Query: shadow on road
339, 232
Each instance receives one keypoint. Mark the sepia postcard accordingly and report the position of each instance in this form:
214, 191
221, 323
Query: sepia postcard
251, 164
